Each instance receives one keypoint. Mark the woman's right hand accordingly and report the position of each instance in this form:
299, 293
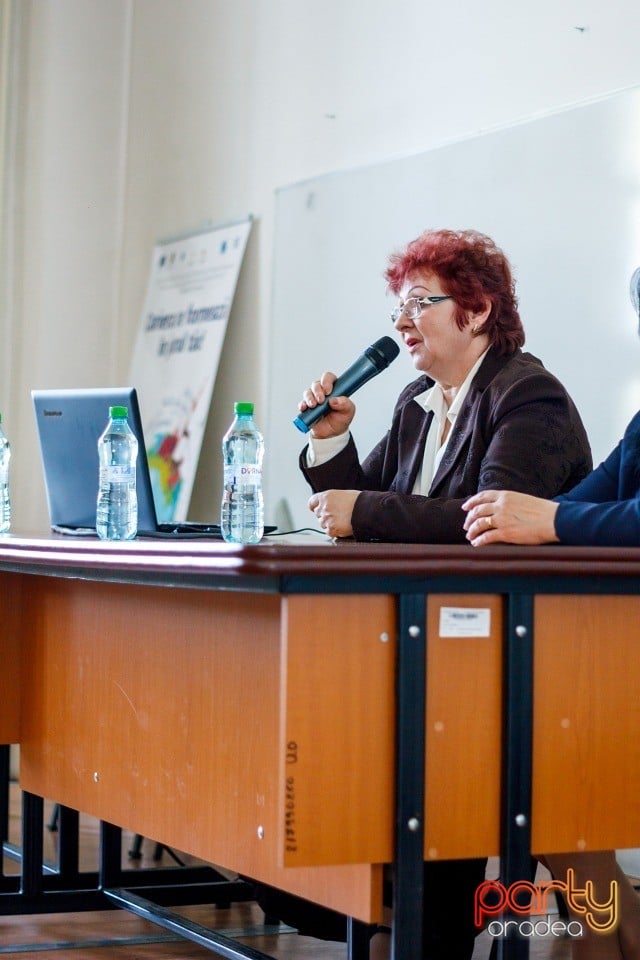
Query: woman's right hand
342, 412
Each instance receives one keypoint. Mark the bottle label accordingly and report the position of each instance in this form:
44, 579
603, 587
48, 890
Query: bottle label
118, 474
237, 473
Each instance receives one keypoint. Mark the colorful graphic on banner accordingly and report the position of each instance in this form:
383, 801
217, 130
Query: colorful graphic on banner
175, 361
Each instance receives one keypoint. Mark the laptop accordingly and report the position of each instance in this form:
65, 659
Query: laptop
69, 423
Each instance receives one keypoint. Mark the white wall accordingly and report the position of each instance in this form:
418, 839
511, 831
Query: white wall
64, 304
141, 118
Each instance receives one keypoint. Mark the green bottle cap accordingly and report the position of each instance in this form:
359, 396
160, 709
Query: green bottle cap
118, 413
243, 408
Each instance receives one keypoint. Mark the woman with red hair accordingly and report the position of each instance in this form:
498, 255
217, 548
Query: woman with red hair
481, 414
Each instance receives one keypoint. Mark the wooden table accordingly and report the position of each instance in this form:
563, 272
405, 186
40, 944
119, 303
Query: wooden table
263, 707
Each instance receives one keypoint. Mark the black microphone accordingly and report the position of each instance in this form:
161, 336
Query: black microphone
373, 361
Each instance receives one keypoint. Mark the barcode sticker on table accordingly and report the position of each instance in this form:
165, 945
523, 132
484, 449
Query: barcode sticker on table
465, 622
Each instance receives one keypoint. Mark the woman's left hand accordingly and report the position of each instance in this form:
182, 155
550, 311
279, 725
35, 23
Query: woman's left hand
334, 508
502, 516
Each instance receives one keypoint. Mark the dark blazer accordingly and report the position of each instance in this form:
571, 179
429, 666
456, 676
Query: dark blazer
604, 510
518, 429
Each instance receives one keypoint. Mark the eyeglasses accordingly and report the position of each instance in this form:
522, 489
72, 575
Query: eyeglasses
413, 307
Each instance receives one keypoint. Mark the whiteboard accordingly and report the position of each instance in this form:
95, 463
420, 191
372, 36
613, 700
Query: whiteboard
560, 195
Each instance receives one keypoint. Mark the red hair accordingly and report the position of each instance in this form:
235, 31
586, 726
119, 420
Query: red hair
472, 270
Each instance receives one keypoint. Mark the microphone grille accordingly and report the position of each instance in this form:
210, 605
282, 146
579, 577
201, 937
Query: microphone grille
387, 349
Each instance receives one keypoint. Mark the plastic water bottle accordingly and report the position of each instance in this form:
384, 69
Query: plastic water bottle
117, 512
242, 518
5, 499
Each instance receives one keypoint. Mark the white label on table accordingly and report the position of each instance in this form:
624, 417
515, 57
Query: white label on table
465, 622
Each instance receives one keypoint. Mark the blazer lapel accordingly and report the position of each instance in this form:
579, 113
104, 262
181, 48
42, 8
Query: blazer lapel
465, 421
412, 438
462, 429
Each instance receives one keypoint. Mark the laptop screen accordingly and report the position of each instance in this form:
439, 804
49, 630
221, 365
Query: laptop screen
69, 424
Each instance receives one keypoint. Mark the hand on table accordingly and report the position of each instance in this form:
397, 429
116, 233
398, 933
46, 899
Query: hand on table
333, 509
503, 516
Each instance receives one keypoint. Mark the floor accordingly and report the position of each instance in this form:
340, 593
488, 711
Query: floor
116, 935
